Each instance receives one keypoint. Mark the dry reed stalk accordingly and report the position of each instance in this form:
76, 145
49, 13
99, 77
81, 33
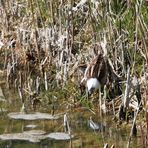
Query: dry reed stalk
37, 84
126, 98
131, 133
35, 31
146, 116
20, 94
40, 13
142, 136
46, 82
143, 29
105, 145
136, 37
133, 125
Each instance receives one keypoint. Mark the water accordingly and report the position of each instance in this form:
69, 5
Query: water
84, 136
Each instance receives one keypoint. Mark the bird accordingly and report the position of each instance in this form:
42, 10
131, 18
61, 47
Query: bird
98, 73
95, 75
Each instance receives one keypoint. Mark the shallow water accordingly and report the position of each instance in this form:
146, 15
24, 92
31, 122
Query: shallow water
84, 136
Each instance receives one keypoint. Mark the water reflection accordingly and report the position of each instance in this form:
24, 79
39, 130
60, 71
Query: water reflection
85, 135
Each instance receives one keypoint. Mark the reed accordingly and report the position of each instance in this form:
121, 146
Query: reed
44, 44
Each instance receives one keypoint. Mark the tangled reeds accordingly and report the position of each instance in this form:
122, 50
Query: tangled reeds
44, 44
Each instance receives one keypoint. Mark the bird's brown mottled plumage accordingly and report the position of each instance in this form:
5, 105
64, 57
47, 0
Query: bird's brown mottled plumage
100, 69
97, 69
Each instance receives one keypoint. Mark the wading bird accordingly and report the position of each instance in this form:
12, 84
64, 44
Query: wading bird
95, 75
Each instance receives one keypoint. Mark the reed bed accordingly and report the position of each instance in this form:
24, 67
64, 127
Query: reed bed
44, 45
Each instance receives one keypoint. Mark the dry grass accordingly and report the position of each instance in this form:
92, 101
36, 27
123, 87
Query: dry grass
43, 43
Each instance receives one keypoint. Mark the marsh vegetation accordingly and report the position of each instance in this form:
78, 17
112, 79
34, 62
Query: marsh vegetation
47, 47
